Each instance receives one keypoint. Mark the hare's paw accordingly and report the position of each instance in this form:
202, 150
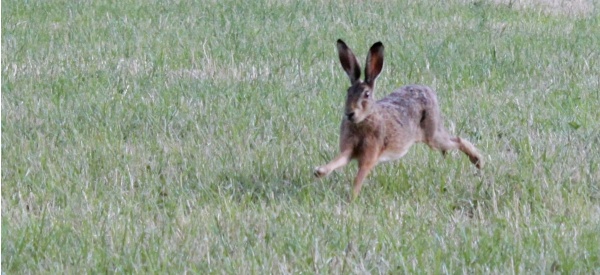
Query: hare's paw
320, 172
477, 160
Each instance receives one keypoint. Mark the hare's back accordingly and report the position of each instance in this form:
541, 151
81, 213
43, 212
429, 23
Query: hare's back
411, 98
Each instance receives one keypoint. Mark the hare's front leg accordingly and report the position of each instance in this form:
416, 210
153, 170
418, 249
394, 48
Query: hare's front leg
341, 160
365, 164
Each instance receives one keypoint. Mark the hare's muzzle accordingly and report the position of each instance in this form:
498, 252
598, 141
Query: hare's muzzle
350, 116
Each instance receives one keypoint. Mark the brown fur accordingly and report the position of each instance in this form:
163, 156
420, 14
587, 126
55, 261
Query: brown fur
376, 131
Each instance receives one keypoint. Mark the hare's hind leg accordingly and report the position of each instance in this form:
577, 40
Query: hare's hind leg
469, 149
444, 142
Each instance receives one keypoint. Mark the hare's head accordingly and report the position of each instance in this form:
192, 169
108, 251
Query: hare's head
360, 95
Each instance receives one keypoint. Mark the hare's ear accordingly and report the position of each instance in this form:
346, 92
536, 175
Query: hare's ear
349, 62
374, 63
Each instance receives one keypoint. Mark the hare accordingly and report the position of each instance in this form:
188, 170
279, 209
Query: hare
377, 131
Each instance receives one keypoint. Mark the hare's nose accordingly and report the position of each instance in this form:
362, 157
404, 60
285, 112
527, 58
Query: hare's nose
350, 115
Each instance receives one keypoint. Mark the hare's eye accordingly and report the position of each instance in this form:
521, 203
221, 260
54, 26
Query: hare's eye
367, 94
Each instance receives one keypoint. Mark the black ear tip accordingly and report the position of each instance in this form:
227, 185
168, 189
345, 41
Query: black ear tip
342, 46
378, 44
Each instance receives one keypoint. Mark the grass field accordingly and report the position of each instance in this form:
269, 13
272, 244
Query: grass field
170, 137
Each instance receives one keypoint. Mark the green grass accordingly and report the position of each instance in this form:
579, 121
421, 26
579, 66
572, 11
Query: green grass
171, 137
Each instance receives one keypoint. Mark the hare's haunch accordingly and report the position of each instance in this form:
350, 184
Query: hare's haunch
376, 131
